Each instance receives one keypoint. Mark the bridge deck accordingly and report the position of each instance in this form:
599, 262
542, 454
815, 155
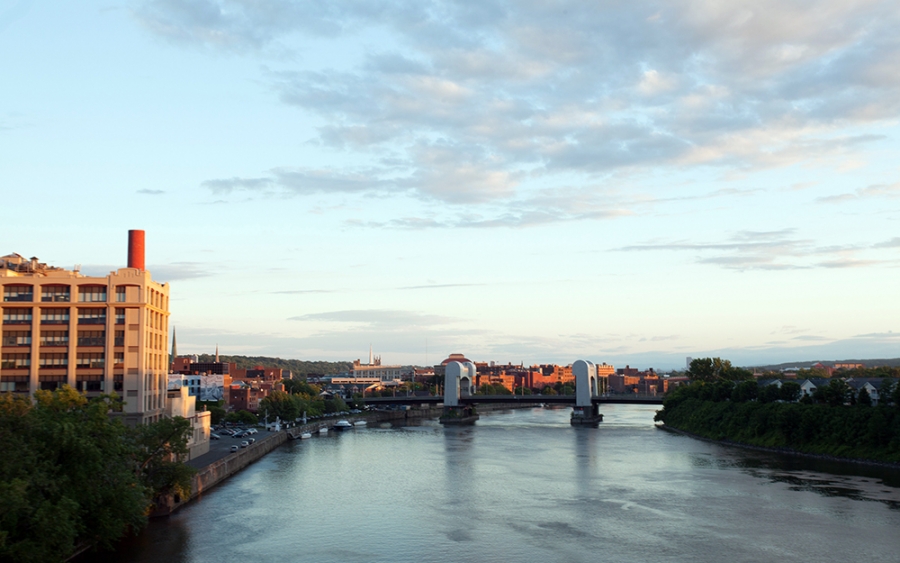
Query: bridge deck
497, 399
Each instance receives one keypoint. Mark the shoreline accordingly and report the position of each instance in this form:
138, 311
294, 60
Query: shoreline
210, 476
785, 451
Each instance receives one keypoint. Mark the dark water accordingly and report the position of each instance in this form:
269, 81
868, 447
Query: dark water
525, 486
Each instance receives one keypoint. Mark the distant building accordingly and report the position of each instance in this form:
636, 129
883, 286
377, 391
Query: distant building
383, 373
96, 334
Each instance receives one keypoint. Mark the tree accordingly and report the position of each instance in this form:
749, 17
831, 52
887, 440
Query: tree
280, 404
70, 480
863, 398
716, 369
241, 417
158, 450
217, 415
745, 391
790, 391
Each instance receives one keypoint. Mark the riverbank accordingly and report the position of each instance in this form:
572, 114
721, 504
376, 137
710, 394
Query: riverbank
212, 474
786, 451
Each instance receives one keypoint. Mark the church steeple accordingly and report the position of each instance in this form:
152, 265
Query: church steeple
371, 358
174, 347
217, 353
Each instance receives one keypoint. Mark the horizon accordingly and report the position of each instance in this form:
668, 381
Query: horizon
629, 184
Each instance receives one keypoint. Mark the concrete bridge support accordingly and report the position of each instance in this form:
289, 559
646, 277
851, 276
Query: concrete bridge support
459, 381
587, 386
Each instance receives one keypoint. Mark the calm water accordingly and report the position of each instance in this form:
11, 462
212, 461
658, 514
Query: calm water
525, 486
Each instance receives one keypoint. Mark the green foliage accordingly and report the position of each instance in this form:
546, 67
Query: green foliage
282, 405
716, 369
491, 389
241, 417
73, 476
522, 391
839, 430
217, 415
335, 404
158, 449
299, 368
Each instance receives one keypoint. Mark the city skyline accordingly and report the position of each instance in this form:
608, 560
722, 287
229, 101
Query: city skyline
516, 182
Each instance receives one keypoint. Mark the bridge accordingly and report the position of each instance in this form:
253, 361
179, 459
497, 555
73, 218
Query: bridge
459, 396
525, 399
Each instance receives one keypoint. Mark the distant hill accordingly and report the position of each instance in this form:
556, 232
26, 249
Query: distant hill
893, 362
301, 368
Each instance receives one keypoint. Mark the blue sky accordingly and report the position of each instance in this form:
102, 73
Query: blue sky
516, 181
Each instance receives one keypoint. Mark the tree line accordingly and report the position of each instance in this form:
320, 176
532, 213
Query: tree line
835, 420
72, 476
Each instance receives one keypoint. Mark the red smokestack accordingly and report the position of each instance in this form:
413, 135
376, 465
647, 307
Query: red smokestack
136, 249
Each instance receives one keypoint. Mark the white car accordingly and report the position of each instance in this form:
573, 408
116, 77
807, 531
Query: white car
245, 443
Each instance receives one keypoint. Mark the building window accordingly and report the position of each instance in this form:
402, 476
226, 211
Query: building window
17, 338
89, 386
55, 293
54, 316
120, 293
91, 316
15, 360
18, 293
120, 338
90, 360
49, 359
17, 316
54, 338
118, 358
120, 316
13, 386
92, 294
91, 338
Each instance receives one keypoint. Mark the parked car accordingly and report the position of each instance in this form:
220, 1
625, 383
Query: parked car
251, 431
244, 444
214, 436
234, 448
251, 440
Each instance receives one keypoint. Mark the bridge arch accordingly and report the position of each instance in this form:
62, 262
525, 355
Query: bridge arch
459, 381
587, 386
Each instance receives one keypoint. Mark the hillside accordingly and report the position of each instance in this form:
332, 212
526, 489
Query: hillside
893, 362
301, 368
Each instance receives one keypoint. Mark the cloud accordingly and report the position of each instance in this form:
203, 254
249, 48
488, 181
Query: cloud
879, 335
379, 319
303, 291
150, 192
767, 250
441, 285
475, 98
180, 271
892, 243
875, 190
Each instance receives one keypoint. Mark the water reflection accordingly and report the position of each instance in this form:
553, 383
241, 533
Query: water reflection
527, 487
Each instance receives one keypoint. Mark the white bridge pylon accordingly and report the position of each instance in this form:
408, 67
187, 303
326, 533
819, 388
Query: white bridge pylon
459, 379
587, 383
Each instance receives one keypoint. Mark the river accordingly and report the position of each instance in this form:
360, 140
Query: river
524, 486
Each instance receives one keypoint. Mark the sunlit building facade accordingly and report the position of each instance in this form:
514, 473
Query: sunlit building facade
96, 334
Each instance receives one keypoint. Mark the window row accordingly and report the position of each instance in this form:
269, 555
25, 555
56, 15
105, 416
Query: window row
62, 293
57, 359
61, 316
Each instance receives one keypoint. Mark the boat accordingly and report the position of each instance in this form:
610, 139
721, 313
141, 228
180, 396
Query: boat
359, 423
323, 430
305, 436
342, 425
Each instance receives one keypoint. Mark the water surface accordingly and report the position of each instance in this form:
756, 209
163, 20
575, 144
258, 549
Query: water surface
525, 486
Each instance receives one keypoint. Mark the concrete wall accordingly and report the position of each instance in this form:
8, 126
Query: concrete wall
212, 474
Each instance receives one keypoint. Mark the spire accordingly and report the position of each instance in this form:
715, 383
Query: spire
371, 358
217, 353
174, 346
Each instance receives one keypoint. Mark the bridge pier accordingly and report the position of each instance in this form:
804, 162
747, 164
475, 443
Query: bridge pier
459, 416
458, 380
585, 412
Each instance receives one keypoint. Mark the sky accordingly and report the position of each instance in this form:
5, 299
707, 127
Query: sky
624, 182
